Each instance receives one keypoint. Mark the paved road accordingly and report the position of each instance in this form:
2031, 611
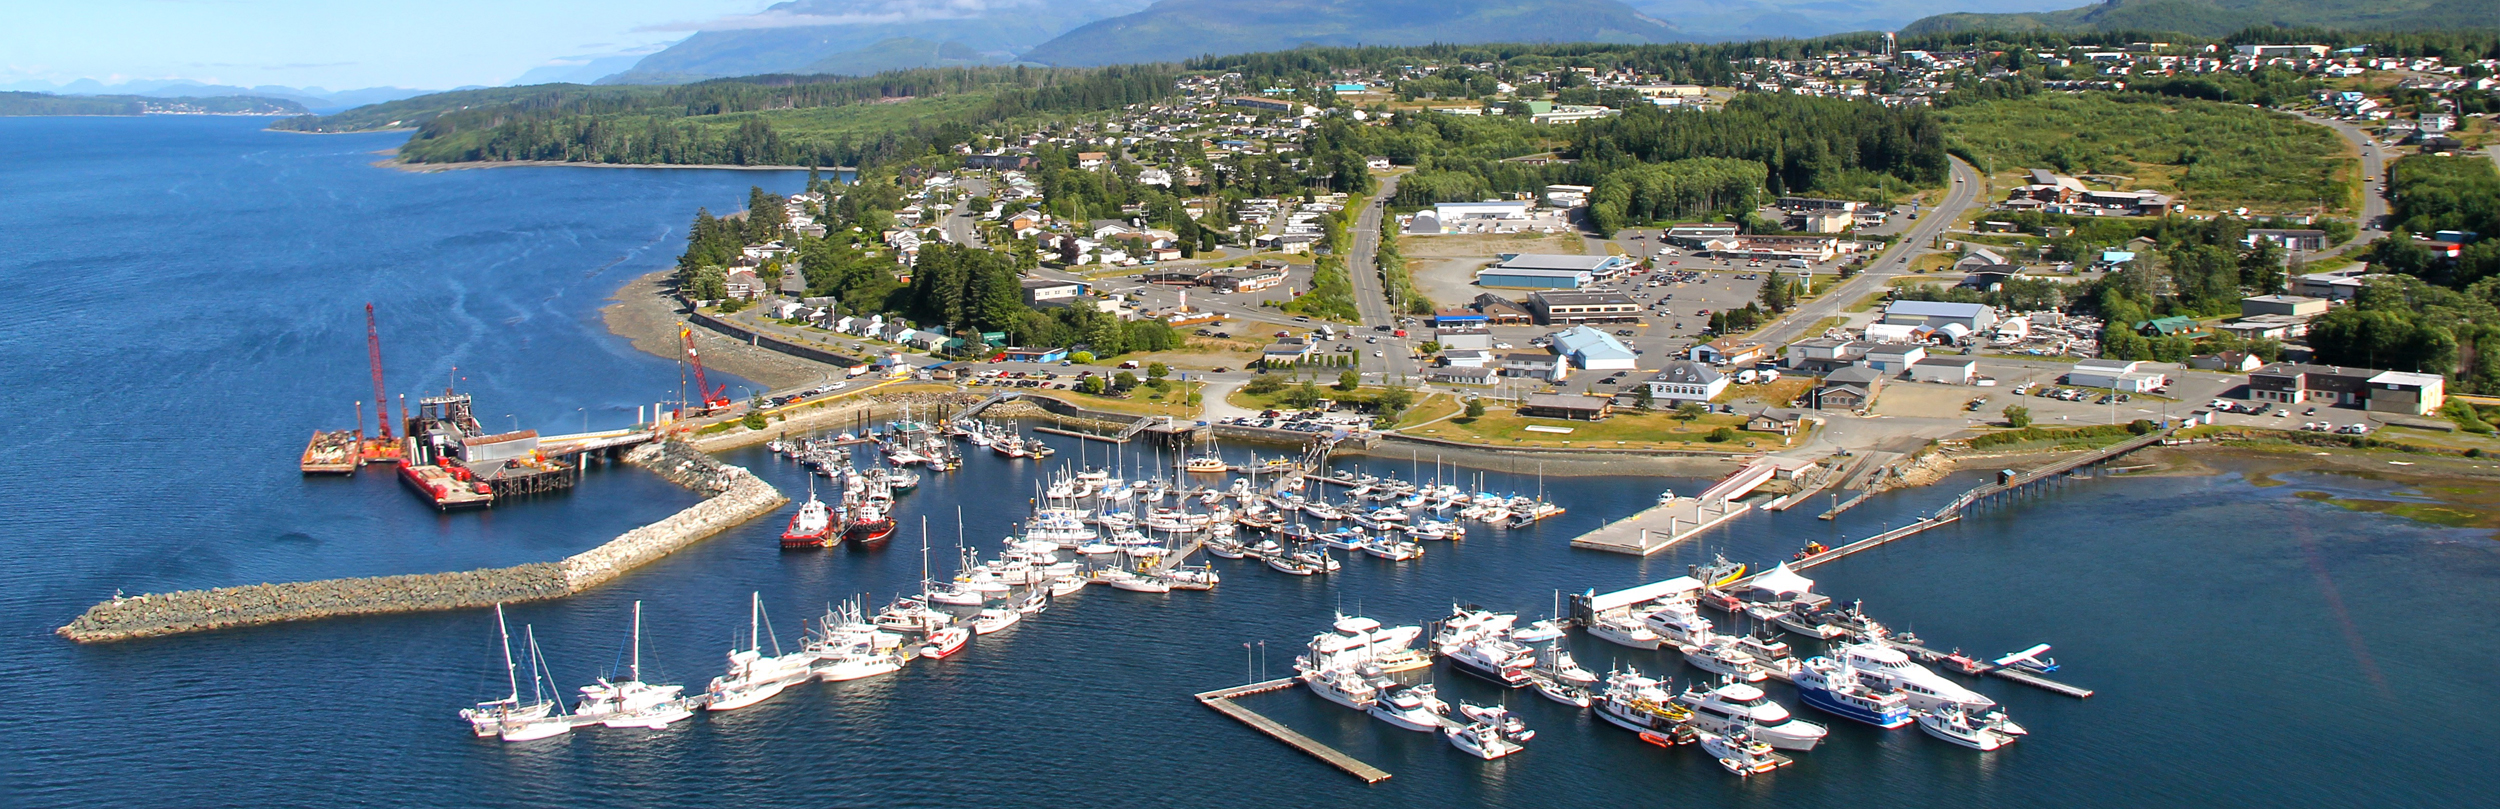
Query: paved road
1892, 263
1371, 298
2373, 185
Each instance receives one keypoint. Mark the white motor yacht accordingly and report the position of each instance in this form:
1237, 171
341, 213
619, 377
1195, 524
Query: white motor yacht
1885, 668
1357, 637
1067, 585
1641, 704
1747, 707
1393, 550
1414, 707
1497, 661
1741, 753
1721, 657
1500, 717
1538, 632
1125, 580
1983, 731
1679, 624
994, 619
851, 648
1342, 685
1480, 740
1624, 630
1772, 654
1565, 693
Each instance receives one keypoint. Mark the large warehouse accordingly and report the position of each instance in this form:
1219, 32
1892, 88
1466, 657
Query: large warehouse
1548, 271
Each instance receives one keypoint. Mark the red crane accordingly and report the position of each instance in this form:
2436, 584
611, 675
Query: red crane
712, 397
373, 348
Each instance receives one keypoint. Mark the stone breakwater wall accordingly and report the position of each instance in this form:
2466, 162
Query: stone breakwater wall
732, 496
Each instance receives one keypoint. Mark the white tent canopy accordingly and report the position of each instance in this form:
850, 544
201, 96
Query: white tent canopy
1782, 581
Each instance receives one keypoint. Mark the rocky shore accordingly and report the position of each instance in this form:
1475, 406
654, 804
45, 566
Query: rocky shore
732, 496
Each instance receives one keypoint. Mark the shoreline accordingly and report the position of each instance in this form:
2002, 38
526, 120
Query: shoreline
644, 313
428, 168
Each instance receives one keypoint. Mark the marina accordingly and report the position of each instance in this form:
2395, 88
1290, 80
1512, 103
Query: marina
1222, 701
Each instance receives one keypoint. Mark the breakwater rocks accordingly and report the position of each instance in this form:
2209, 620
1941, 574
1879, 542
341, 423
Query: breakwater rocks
732, 496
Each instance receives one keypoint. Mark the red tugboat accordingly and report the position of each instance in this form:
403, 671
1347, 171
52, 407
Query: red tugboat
871, 521
812, 527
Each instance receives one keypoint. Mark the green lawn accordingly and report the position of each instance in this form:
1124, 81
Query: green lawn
1503, 427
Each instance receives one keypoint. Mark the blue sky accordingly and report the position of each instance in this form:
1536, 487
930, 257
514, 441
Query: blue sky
342, 44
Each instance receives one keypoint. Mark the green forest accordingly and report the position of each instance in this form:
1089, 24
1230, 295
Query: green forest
2214, 156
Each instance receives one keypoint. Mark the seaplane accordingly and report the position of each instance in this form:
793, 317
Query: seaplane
2030, 660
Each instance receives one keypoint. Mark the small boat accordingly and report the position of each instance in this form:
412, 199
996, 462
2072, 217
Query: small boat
1480, 740
1741, 753
945, 642
1034, 603
1066, 585
1226, 548
1344, 540
1985, 731
1206, 464
1291, 565
1125, 580
1538, 632
1412, 707
1500, 718
1564, 693
994, 619
952, 593
1318, 559
1395, 550
753, 677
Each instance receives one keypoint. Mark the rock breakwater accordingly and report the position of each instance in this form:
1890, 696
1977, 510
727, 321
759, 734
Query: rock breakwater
732, 496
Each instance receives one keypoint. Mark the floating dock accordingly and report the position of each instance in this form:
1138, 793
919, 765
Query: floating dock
1660, 526
1928, 655
1222, 701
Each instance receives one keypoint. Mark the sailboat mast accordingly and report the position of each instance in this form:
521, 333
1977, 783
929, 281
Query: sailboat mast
637, 641
505, 631
537, 664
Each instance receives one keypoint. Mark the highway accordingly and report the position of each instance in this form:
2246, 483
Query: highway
1892, 263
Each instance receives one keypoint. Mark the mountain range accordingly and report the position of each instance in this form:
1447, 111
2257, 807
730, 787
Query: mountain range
2215, 18
861, 38
1173, 30
312, 98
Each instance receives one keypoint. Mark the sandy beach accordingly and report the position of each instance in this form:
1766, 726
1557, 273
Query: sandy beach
644, 313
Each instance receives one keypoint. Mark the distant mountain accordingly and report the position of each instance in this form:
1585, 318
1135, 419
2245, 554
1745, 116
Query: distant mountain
22, 104
1760, 19
313, 98
1173, 30
2222, 17
898, 54
860, 38
577, 69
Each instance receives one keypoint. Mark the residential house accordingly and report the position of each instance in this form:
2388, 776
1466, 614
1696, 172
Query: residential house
1501, 311
2238, 362
1783, 422
1466, 357
2166, 326
2295, 240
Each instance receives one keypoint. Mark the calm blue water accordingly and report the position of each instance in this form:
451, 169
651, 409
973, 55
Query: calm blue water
188, 309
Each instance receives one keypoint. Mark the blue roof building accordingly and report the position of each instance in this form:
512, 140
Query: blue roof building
1594, 350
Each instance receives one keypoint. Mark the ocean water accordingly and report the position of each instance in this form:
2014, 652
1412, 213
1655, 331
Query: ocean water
188, 309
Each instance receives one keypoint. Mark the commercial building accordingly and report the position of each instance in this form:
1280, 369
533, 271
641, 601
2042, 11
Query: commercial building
1549, 271
1726, 351
2381, 391
1821, 355
1976, 317
1561, 406
1021, 354
1557, 308
1467, 357
1458, 213
1461, 375
1476, 338
1539, 365
2118, 375
1891, 360
1257, 276
1593, 350
1501, 311
2292, 305
1458, 318
1946, 370
1698, 237
1686, 381
1851, 388
2295, 240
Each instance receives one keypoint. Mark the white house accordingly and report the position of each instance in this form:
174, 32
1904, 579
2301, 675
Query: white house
1686, 381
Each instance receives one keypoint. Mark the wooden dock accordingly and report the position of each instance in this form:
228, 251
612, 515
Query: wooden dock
1658, 527
1928, 655
1083, 435
1222, 701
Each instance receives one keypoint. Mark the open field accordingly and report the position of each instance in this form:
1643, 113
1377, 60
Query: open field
1501, 427
2213, 156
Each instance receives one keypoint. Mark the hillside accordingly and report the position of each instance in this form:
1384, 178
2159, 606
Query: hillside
2218, 18
900, 53
1173, 30
1763, 19
861, 42
24, 104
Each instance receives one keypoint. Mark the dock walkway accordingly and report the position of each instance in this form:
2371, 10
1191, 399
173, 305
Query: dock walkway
1656, 528
1222, 701
1928, 655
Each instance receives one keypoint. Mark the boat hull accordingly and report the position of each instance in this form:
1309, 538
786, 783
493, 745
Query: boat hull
1823, 700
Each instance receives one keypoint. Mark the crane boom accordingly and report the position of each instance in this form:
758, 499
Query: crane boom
712, 397
373, 349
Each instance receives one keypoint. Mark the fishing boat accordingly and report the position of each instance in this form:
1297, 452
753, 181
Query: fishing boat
632, 703
1480, 740
1983, 732
1412, 707
752, 676
1825, 685
870, 522
812, 526
945, 642
1318, 559
1741, 753
1641, 704
1747, 708
491, 718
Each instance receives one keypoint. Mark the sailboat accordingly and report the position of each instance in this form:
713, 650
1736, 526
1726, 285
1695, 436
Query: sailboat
556, 722
752, 677
490, 718
632, 703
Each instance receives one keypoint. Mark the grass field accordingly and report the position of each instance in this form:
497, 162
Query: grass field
2214, 156
1503, 427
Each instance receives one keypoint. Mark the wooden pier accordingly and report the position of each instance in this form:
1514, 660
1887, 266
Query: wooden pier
1222, 701
1658, 527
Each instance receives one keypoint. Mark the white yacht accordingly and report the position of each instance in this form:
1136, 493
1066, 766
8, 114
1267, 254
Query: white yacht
1624, 630
1067, 585
994, 619
1354, 636
1064, 527
1556, 663
954, 593
1488, 656
1743, 706
556, 722
1721, 657
753, 677
1480, 740
1885, 668
1468, 622
1500, 718
1393, 550
1679, 624
1772, 654
1343, 685
851, 648
1642, 704
1538, 632
1125, 580
1565, 693
1983, 731
1741, 753
632, 703
1413, 707
491, 718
